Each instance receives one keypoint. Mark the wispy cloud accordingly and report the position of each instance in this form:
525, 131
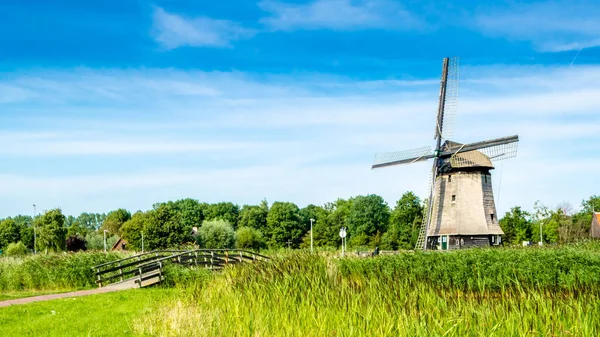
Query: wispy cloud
338, 15
232, 136
552, 26
172, 31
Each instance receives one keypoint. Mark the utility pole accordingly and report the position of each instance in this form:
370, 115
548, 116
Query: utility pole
34, 235
142, 242
105, 241
311, 235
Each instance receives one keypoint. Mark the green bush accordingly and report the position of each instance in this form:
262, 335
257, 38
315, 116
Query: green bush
16, 249
216, 234
60, 271
249, 238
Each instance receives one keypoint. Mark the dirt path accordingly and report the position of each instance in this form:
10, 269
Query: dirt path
32, 299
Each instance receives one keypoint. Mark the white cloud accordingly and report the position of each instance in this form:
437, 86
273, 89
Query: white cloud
174, 31
338, 15
229, 136
552, 26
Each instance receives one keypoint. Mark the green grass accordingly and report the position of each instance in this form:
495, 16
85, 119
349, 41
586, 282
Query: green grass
51, 272
109, 314
303, 295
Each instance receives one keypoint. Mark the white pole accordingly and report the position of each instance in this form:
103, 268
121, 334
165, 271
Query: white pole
105, 240
541, 240
34, 234
311, 235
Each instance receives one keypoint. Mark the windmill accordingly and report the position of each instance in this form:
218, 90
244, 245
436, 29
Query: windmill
461, 211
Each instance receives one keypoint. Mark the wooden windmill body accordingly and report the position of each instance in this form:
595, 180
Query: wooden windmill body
461, 211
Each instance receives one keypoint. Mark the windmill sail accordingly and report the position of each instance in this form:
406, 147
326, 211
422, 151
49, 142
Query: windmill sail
451, 99
402, 157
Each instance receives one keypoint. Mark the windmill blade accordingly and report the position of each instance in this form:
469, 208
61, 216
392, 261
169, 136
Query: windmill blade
448, 99
451, 102
402, 157
501, 152
500, 148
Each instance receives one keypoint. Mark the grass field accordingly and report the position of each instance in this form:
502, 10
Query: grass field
110, 314
554, 291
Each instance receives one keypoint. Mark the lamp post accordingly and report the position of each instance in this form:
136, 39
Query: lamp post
34, 235
105, 240
311, 235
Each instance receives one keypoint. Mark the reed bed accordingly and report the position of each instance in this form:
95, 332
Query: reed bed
508, 292
51, 272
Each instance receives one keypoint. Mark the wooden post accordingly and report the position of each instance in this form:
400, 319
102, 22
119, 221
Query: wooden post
226, 257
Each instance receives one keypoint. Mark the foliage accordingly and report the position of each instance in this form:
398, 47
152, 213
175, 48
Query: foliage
54, 271
95, 241
163, 228
310, 295
216, 234
516, 225
51, 233
254, 216
114, 220
248, 238
223, 211
75, 243
132, 230
16, 249
283, 225
405, 223
368, 216
10, 232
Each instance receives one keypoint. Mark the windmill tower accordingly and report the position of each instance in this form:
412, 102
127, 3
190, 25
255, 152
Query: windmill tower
461, 211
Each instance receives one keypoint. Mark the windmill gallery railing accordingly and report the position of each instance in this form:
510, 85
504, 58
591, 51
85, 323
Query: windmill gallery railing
147, 268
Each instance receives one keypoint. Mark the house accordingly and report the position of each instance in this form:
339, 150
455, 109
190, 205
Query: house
595, 227
121, 244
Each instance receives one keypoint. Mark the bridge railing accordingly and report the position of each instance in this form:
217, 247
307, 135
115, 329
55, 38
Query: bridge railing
142, 265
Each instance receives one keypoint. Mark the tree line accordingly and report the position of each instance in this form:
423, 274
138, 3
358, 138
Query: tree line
369, 220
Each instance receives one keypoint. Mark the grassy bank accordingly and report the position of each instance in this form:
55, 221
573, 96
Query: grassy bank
51, 272
109, 314
405, 295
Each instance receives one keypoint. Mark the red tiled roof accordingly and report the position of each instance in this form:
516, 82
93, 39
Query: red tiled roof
597, 215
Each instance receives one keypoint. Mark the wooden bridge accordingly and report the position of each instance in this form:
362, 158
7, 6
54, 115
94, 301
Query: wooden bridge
146, 269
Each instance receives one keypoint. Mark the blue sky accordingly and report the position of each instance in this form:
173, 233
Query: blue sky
107, 104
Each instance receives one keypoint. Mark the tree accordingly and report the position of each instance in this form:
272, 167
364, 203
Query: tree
283, 225
254, 217
132, 230
51, 230
405, 223
163, 228
516, 225
216, 234
91, 221
191, 212
75, 243
115, 219
10, 232
248, 238
16, 249
223, 211
368, 219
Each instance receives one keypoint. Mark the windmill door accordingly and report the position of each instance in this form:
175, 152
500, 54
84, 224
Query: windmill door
445, 242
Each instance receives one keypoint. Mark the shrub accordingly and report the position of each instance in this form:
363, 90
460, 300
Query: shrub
248, 238
216, 234
75, 243
16, 249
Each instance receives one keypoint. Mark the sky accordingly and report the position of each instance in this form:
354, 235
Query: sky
110, 104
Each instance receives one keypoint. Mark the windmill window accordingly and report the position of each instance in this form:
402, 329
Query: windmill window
492, 216
485, 179
450, 179
453, 198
